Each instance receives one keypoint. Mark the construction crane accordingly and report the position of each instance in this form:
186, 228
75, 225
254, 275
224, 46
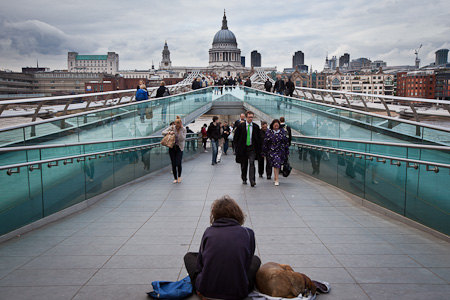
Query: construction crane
417, 56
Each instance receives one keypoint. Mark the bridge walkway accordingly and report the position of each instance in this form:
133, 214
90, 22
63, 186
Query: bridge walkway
139, 233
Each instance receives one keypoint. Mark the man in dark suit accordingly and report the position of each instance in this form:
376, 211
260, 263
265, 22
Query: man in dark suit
247, 138
279, 88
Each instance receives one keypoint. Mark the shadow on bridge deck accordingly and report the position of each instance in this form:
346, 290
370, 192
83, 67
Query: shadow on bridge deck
140, 232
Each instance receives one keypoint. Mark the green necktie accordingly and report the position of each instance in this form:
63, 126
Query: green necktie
248, 136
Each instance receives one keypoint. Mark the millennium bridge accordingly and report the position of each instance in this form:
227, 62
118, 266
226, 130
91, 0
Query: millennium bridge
88, 209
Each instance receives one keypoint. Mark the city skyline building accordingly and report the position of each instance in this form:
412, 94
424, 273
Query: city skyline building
344, 61
93, 63
298, 59
416, 84
441, 57
255, 58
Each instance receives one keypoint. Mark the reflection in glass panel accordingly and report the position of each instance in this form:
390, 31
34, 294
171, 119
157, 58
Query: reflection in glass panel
427, 199
12, 138
63, 186
21, 199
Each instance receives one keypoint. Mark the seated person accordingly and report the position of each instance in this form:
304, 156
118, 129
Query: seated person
225, 267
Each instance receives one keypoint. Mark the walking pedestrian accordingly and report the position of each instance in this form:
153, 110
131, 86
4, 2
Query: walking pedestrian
279, 88
141, 95
268, 85
290, 88
263, 159
287, 129
176, 152
276, 148
204, 137
225, 135
248, 142
213, 133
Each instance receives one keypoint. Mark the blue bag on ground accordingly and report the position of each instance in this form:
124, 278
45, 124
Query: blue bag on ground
168, 290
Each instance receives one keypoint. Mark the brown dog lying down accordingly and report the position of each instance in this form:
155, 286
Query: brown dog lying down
279, 280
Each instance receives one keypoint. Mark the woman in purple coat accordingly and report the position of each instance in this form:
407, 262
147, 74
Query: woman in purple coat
276, 147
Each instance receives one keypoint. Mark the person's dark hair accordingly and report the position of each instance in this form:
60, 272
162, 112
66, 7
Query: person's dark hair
249, 112
204, 125
273, 122
282, 119
226, 207
263, 123
215, 118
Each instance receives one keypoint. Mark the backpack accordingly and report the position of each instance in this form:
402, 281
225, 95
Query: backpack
203, 83
168, 290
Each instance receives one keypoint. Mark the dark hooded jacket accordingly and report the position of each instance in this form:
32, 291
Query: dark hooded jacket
213, 131
225, 256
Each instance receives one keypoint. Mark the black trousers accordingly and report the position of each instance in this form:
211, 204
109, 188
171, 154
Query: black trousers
176, 156
261, 167
190, 261
249, 161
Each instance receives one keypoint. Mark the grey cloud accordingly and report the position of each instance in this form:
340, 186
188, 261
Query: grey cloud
33, 36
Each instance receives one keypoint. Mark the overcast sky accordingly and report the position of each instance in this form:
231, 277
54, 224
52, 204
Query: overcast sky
388, 30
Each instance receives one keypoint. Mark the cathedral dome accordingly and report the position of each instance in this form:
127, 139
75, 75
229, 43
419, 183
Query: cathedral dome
224, 36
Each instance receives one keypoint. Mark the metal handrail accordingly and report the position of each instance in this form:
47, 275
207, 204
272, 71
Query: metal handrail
37, 147
53, 98
369, 156
107, 99
369, 95
431, 166
359, 111
69, 159
405, 145
86, 112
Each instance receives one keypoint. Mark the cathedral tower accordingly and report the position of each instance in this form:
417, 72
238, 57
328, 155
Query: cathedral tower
165, 63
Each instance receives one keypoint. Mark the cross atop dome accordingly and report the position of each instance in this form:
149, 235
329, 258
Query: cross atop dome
224, 21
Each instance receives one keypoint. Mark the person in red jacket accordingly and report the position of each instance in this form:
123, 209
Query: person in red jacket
225, 267
204, 137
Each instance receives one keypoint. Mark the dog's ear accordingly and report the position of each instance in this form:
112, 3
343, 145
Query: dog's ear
309, 285
297, 283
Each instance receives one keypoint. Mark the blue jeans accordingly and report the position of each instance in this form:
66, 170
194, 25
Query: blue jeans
214, 147
225, 147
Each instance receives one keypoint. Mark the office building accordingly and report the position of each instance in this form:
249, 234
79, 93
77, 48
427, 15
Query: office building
108, 64
298, 59
441, 57
255, 58
344, 61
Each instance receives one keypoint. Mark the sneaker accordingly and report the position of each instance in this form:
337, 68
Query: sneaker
205, 151
268, 178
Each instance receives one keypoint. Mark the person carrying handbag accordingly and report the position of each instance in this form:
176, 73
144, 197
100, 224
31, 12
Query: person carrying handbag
276, 148
176, 152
